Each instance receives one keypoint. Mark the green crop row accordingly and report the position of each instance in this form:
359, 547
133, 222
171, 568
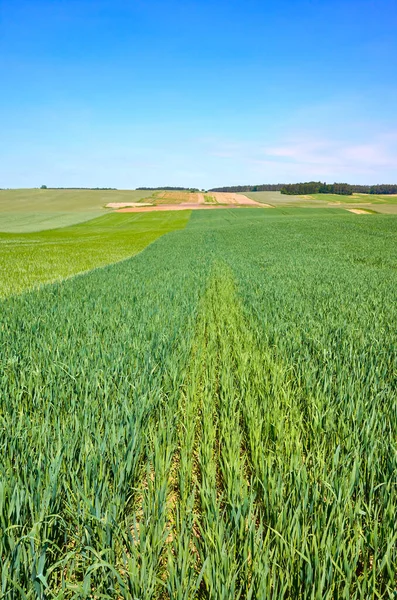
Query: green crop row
214, 418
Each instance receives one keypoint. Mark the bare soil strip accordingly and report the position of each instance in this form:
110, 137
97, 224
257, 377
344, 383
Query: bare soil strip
127, 204
234, 199
184, 206
358, 211
200, 199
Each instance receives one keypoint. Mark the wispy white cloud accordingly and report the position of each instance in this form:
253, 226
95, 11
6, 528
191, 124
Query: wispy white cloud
305, 155
339, 158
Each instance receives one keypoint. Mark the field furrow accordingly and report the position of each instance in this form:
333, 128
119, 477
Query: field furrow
214, 418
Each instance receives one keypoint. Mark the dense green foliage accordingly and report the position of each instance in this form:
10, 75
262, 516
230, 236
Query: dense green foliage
214, 418
316, 187
381, 188
344, 189
312, 187
266, 187
30, 259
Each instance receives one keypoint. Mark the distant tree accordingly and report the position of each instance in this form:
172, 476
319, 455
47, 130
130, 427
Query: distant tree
310, 187
384, 188
266, 187
44, 187
317, 187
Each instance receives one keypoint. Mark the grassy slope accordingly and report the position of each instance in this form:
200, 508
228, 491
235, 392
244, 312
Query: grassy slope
356, 198
381, 204
227, 400
30, 259
34, 210
26, 222
278, 199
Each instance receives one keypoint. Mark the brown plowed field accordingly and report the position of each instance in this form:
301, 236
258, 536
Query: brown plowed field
176, 197
233, 199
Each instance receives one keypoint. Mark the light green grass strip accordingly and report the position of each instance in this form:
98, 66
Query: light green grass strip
32, 200
31, 259
29, 210
356, 198
29, 222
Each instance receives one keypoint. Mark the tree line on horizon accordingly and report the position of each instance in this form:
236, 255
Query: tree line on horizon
312, 187
45, 187
317, 187
293, 189
344, 189
266, 187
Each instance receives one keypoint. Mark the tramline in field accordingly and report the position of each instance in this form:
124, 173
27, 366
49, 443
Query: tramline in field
213, 418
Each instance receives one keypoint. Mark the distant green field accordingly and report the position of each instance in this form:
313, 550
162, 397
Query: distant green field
30, 259
36, 210
278, 199
382, 204
355, 198
27, 222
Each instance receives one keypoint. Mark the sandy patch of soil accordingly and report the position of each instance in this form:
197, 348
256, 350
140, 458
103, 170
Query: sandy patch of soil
358, 211
182, 206
151, 208
127, 204
234, 199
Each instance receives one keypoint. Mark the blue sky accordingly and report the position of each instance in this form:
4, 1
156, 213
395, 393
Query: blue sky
197, 93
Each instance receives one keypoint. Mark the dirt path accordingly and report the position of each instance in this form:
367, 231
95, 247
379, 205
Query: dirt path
127, 204
200, 198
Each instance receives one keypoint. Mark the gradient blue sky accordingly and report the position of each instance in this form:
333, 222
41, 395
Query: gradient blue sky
197, 93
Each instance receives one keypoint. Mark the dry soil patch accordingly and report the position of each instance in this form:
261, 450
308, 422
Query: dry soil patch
127, 204
233, 199
176, 197
182, 206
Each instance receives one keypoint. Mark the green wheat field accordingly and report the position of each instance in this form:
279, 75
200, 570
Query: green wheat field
198, 404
